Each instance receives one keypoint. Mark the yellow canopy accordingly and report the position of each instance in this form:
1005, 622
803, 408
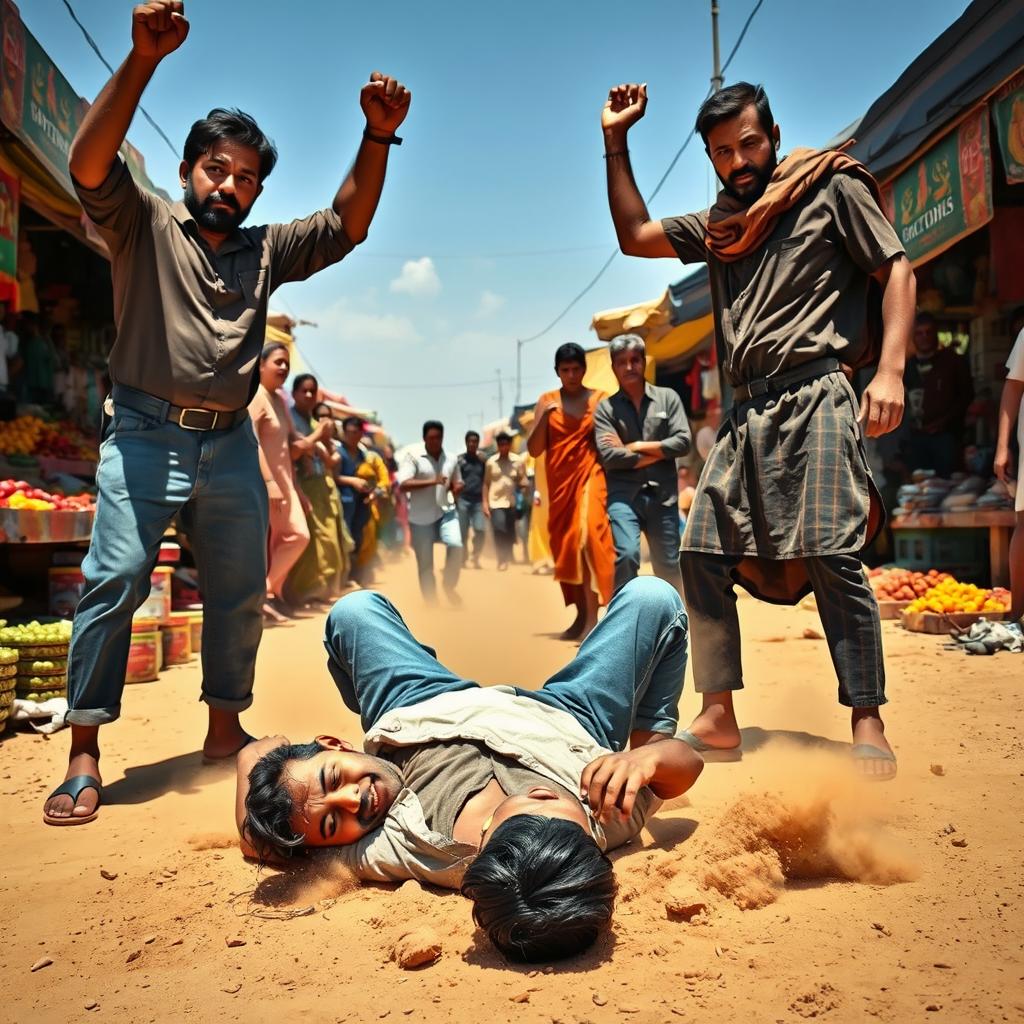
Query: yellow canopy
599, 375
652, 321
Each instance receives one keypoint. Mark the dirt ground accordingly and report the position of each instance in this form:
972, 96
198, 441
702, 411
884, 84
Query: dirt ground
823, 897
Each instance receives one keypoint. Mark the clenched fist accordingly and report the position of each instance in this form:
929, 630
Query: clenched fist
624, 107
385, 102
158, 28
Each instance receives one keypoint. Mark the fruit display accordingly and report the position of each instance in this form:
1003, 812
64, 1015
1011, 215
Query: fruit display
8, 681
19, 494
952, 597
31, 436
41, 651
903, 584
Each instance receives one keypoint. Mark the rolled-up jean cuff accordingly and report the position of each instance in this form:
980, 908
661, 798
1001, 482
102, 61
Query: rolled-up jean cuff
226, 703
870, 701
92, 716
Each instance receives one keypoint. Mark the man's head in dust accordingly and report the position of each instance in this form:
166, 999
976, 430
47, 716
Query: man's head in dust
324, 793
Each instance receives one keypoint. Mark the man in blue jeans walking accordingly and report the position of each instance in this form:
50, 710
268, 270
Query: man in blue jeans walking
511, 795
190, 298
640, 431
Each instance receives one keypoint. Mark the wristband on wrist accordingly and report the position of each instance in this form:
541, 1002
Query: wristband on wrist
383, 140
618, 152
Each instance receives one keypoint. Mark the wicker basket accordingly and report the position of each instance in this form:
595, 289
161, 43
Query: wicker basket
42, 667
8, 671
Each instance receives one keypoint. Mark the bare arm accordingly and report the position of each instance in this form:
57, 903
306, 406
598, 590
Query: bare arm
537, 439
881, 408
1009, 410
158, 28
638, 235
385, 102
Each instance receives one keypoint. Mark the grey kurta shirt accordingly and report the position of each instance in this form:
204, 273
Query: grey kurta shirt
661, 418
802, 294
191, 322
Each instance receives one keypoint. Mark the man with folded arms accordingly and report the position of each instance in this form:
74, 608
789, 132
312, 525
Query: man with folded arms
802, 263
190, 299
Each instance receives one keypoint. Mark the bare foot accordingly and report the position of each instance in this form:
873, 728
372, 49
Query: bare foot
224, 737
869, 736
80, 763
575, 631
716, 724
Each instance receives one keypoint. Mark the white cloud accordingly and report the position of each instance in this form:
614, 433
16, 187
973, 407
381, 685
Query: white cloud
418, 277
341, 323
490, 303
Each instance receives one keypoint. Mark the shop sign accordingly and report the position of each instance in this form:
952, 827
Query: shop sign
9, 189
1008, 114
946, 194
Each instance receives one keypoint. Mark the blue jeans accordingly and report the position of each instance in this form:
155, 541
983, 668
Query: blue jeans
148, 473
442, 531
627, 675
471, 514
659, 523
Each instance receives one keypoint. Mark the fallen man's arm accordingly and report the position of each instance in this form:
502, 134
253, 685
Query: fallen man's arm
668, 766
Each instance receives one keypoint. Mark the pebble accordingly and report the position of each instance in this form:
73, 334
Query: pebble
108, 875
416, 948
933, 1007
149, 940
599, 1000
42, 962
936, 769
92, 1005
232, 989
234, 943
879, 927
685, 908
134, 955
521, 997
813, 634
959, 842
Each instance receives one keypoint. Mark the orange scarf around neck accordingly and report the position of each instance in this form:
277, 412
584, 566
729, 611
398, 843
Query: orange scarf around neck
735, 230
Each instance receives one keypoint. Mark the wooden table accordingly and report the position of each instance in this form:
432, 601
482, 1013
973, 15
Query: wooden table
999, 523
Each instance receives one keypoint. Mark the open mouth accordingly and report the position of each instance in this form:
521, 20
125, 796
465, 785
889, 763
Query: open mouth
370, 803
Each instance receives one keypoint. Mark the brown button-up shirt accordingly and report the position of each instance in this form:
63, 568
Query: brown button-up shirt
801, 295
191, 321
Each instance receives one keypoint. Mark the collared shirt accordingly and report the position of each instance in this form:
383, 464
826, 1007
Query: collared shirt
802, 295
504, 478
661, 418
541, 738
191, 321
427, 504
471, 469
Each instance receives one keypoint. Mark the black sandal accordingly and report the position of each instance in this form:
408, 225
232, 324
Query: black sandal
74, 788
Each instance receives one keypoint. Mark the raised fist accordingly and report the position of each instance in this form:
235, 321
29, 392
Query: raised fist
625, 106
385, 102
158, 28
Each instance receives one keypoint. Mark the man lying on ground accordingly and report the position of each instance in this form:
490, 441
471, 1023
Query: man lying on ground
511, 795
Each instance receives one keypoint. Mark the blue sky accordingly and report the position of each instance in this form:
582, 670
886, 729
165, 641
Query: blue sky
494, 214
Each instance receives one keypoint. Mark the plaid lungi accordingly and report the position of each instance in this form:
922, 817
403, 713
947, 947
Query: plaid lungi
787, 479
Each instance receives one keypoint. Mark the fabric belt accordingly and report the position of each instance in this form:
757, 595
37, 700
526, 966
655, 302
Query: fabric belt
779, 381
166, 412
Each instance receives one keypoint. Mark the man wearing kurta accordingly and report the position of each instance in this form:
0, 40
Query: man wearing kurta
797, 250
191, 287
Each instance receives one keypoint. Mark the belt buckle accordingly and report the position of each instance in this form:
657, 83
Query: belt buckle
205, 412
758, 387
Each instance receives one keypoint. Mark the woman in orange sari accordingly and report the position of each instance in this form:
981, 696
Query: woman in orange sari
581, 539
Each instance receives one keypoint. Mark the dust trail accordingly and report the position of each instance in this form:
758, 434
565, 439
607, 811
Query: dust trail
213, 841
809, 818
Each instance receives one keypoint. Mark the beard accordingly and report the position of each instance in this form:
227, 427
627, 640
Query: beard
222, 222
762, 175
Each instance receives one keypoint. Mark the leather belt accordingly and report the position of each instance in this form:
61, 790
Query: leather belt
188, 418
779, 381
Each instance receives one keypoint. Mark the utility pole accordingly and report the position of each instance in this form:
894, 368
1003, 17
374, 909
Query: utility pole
519, 371
501, 397
716, 77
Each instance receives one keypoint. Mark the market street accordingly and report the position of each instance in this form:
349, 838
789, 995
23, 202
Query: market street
162, 894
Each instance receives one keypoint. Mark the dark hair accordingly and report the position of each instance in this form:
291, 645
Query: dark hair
731, 102
503, 435
541, 888
323, 405
270, 348
301, 379
570, 352
223, 123
432, 425
924, 317
472, 433
350, 421
268, 804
